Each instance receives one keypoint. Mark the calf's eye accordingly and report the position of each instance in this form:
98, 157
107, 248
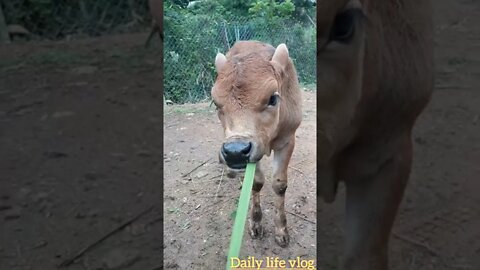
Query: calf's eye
344, 26
273, 101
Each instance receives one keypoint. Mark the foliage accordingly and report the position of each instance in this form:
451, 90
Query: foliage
194, 35
270, 9
55, 19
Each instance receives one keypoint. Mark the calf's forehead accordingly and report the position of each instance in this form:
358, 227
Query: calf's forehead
244, 78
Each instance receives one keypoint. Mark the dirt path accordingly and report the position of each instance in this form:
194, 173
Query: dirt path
80, 154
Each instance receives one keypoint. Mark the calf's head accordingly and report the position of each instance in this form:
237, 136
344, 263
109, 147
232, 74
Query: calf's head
247, 94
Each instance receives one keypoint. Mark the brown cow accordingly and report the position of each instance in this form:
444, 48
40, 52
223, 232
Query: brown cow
374, 64
259, 105
156, 10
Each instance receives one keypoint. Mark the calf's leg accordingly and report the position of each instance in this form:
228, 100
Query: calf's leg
255, 226
281, 158
371, 208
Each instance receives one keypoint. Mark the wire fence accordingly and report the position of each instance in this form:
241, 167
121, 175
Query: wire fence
190, 46
59, 19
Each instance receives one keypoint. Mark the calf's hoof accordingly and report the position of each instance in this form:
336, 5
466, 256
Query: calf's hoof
281, 237
255, 229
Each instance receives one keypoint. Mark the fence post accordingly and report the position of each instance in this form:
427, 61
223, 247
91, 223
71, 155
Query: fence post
225, 37
4, 36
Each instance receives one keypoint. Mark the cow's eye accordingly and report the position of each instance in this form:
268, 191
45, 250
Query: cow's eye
273, 101
343, 28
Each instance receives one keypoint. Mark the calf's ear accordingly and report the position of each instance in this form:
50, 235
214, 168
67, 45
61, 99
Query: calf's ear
280, 56
220, 61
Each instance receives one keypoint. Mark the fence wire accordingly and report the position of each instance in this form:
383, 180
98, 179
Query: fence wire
190, 46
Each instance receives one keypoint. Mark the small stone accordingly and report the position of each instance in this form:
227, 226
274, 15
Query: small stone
201, 174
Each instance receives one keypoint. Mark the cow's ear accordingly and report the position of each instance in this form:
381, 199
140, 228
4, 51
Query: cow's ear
281, 55
220, 61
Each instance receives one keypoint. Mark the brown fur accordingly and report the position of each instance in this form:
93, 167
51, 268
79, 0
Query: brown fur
247, 77
370, 93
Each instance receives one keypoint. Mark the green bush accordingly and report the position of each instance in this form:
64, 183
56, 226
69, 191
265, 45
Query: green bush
192, 41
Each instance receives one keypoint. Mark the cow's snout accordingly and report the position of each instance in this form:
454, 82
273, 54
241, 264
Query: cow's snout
237, 153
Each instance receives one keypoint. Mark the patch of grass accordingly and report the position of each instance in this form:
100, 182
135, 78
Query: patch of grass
173, 210
311, 87
233, 214
181, 109
186, 225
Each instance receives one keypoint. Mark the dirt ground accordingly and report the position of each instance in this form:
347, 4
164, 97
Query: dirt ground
199, 207
81, 155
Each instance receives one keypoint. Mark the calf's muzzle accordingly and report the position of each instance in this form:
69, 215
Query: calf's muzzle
236, 153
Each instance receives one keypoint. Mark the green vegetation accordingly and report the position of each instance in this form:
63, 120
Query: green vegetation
195, 33
56, 19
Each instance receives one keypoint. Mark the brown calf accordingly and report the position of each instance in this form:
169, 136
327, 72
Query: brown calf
374, 79
259, 105
156, 10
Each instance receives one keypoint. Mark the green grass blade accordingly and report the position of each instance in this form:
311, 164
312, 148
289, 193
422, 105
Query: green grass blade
241, 217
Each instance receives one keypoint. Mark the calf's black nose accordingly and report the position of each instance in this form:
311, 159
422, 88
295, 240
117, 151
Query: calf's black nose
237, 153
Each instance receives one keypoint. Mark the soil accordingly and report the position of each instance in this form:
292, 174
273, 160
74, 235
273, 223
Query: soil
200, 207
81, 154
